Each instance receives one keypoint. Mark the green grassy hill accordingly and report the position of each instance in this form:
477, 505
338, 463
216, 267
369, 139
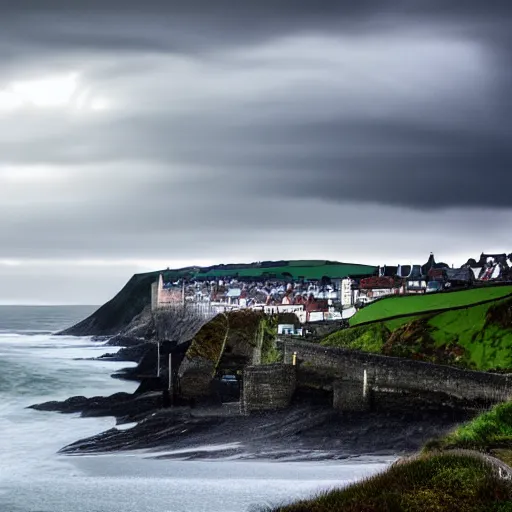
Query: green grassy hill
414, 304
306, 269
475, 336
490, 432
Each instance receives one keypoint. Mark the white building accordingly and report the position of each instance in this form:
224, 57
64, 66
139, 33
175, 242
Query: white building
347, 294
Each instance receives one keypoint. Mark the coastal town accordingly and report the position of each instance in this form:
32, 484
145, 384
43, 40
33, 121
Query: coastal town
290, 359
335, 295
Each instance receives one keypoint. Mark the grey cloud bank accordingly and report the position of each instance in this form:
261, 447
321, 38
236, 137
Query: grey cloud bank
219, 132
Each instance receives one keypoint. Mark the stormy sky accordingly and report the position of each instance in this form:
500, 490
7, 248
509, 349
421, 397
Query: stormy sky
141, 135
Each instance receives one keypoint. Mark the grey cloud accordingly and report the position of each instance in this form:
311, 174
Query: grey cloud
382, 162
200, 26
238, 131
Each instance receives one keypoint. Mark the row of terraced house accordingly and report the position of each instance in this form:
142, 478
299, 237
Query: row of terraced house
427, 278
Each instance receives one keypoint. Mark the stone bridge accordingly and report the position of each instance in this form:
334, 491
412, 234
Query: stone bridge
354, 376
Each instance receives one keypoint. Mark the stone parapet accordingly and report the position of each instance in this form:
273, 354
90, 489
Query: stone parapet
402, 374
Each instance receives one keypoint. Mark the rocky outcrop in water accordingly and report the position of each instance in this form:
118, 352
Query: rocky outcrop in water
124, 406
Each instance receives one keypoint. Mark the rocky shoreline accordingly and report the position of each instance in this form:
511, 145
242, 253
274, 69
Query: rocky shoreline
302, 431
308, 430
305, 431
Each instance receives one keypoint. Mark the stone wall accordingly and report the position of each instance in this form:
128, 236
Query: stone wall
350, 396
396, 373
268, 387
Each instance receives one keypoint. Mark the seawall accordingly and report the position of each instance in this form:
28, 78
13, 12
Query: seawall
396, 373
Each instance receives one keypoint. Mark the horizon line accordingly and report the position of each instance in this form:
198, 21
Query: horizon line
46, 304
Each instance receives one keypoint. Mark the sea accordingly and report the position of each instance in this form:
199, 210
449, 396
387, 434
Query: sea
37, 366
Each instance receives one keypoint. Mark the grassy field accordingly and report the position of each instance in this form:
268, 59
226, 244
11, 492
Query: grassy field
431, 483
307, 269
415, 304
476, 337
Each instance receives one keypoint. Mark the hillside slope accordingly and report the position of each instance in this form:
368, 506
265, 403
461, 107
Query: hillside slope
477, 336
414, 304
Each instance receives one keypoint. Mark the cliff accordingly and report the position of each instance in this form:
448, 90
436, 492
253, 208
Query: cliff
118, 313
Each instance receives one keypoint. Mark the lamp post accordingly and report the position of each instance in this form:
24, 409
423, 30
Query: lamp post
158, 359
171, 383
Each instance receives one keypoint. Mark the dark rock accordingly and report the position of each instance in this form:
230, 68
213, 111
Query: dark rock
125, 341
121, 405
111, 356
74, 404
147, 364
152, 384
135, 353
297, 431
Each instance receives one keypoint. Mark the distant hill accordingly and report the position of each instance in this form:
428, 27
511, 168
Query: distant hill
471, 328
135, 297
281, 270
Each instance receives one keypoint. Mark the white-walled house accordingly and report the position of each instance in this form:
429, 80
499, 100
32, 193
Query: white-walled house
347, 294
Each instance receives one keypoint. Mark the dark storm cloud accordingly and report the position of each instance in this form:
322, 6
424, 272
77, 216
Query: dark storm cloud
202, 25
226, 122
352, 156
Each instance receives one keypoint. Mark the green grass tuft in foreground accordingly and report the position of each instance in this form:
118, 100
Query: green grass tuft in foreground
430, 483
435, 481
488, 431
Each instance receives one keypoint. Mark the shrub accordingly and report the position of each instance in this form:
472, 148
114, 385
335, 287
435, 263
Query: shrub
369, 338
488, 430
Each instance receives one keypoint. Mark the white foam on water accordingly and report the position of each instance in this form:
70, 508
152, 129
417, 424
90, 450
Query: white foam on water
33, 478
